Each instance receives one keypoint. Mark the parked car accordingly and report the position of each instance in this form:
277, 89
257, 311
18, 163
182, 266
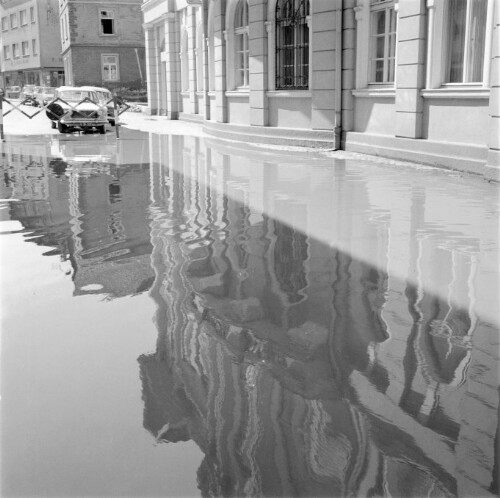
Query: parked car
13, 92
44, 94
104, 96
69, 114
28, 92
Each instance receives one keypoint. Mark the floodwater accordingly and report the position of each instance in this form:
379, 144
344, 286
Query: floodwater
188, 317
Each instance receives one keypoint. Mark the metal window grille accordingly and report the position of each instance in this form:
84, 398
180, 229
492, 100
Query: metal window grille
292, 45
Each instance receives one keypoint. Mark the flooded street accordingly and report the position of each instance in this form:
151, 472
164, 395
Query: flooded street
189, 317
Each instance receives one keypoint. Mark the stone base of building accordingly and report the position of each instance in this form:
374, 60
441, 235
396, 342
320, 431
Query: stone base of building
461, 157
319, 139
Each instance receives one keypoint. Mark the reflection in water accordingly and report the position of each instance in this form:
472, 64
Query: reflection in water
322, 330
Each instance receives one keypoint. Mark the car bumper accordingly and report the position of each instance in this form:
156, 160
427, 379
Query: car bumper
84, 122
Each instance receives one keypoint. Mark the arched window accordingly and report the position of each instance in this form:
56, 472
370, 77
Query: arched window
292, 45
241, 44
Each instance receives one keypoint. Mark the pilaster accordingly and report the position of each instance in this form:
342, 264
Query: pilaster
220, 62
258, 62
493, 162
410, 71
172, 65
152, 67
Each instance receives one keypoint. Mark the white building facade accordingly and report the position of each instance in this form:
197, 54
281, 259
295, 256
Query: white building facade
413, 79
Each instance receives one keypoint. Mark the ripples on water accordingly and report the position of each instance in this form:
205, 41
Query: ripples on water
325, 328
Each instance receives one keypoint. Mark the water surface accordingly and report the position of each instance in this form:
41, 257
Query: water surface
187, 317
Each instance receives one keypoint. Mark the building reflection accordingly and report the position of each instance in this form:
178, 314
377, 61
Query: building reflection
300, 367
90, 206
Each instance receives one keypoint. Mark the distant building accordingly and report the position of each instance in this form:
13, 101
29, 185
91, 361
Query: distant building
102, 43
408, 79
31, 47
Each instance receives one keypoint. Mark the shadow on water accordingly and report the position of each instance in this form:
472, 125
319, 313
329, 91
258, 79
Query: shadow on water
314, 337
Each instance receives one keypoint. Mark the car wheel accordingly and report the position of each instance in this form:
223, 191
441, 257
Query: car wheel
102, 129
54, 111
53, 125
61, 127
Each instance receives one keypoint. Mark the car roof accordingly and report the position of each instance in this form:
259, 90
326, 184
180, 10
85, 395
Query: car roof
96, 88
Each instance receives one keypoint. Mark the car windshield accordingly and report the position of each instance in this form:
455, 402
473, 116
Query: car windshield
75, 95
49, 91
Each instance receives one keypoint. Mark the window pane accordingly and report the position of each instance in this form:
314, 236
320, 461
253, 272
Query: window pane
477, 40
379, 71
379, 51
457, 17
380, 22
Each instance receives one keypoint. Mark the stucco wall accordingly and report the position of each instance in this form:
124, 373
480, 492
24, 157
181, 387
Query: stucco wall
85, 24
456, 120
238, 110
290, 112
375, 115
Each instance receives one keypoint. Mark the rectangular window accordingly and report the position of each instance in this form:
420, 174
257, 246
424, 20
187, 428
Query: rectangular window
5, 23
466, 40
25, 48
15, 50
383, 41
6, 52
23, 17
110, 68
107, 18
34, 49
32, 14
13, 21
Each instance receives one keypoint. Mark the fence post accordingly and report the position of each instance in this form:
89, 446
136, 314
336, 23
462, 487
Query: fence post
2, 138
117, 126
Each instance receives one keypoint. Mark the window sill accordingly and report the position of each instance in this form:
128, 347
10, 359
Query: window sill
464, 92
185, 93
211, 94
238, 93
386, 93
289, 94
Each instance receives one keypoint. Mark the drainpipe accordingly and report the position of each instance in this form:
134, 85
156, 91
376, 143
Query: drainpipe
338, 77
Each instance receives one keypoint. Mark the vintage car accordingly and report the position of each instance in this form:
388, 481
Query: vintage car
44, 94
70, 113
104, 96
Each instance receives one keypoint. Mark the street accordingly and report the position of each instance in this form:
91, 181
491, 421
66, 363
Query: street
168, 287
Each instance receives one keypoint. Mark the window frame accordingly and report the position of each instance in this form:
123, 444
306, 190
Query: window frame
25, 44
238, 59
280, 24
117, 63
34, 46
32, 15
13, 25
437, 50
6, 52
386, 6
107, 14
15, 51
7, 23
270, 25
21, 12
